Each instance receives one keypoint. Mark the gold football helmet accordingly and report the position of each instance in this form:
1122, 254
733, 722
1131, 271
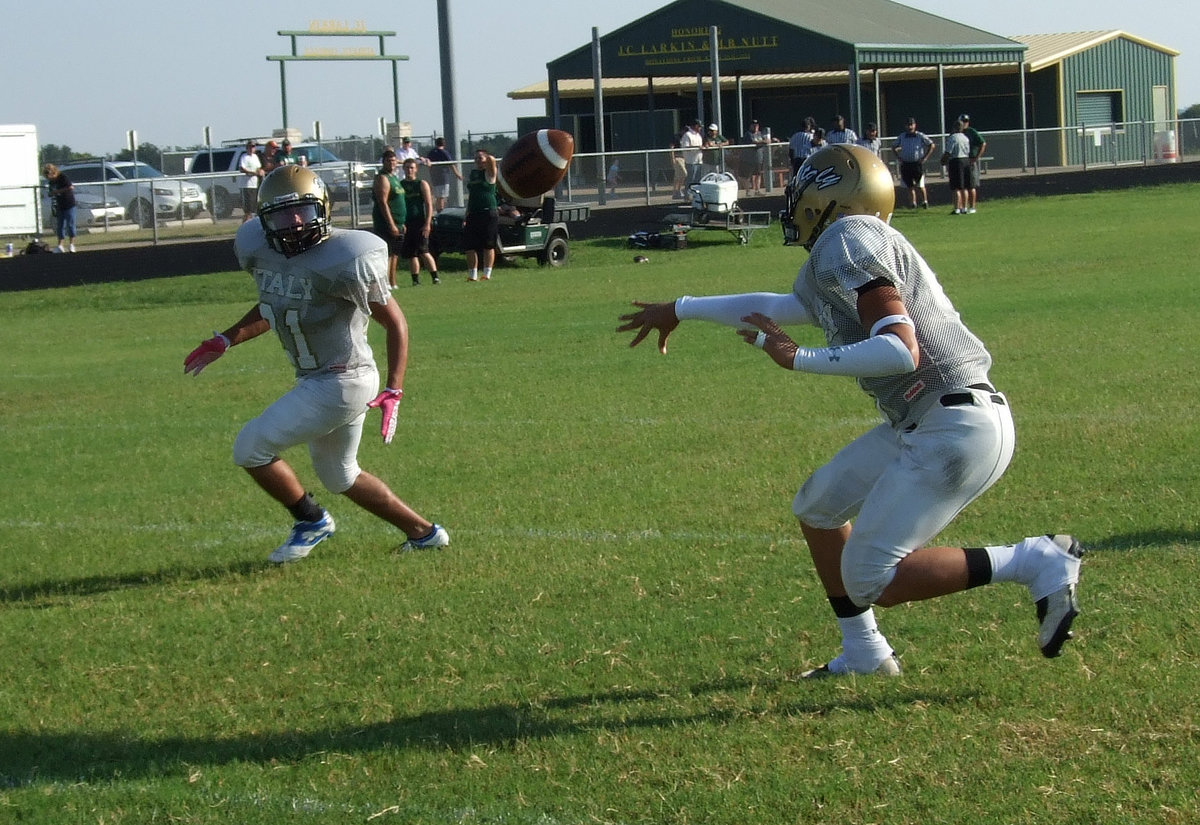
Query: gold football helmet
835, 181
294, 209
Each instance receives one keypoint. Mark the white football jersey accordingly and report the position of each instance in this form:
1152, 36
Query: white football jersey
318, 302
858, 249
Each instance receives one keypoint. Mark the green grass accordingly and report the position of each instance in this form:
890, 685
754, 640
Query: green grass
608, 639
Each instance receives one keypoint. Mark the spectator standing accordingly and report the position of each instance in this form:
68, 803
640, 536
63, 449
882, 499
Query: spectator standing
62, 204
614, 176
760, 140
389, 211
418, 205
481, 224
801, 144
870, 140
251, 167
284, 156
407, 152
441, 167
956, 157
679, 176
318, 289
692, 143
268, 157
713, 143
840, 133
913, 148
978, 145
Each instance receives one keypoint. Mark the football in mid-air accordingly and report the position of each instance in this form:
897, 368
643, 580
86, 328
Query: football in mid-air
535, 164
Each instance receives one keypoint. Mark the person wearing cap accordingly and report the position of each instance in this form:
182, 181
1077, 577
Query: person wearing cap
978, 144
692, 142
407, 152
956, 158
840, 133
251, 167
284, 156
912, 148
713, 141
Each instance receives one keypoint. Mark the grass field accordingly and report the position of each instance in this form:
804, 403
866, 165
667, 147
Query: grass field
609, 638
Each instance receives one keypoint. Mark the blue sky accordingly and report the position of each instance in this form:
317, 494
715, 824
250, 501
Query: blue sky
85, 73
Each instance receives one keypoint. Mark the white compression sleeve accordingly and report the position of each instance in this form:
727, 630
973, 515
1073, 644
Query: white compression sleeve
875, 357
783, 308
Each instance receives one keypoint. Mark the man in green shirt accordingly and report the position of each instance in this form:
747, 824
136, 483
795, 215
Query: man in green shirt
978, 144
390, 211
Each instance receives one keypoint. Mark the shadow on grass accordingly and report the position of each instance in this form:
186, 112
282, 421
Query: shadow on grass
1137, 541
30, 758
42, 594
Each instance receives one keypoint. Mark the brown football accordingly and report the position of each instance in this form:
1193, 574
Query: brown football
535, 163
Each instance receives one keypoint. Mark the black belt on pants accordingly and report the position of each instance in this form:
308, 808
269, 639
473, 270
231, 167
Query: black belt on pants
960, 399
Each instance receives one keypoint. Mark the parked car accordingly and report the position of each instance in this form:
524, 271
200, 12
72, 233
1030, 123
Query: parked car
216, 172
144, 191
91, 209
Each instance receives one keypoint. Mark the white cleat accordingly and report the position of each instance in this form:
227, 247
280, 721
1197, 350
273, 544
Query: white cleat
1053, 592
304, 537
438, 537
838, 667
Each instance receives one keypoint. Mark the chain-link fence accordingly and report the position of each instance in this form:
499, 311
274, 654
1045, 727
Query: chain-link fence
167, 209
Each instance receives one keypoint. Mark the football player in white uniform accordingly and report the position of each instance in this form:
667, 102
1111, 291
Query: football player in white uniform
947, 433
318, 288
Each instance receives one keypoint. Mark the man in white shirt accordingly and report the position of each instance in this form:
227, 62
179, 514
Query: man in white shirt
692, 144
250, 166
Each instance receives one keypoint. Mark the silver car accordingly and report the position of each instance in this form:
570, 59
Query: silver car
91, 209
145, 192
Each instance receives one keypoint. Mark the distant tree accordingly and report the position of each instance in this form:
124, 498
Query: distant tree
58, 155
496, 144
146, 153
1190, 112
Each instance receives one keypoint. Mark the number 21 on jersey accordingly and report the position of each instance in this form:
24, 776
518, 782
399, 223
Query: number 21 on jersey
292, 336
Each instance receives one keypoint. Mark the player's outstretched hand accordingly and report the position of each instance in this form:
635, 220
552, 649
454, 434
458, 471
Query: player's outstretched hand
387, 401
767, 336
651, 317
205, 354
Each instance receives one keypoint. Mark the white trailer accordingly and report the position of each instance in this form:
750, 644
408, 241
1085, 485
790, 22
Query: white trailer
19, 180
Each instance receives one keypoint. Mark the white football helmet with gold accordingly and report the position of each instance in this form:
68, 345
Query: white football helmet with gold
835, 181
294, 209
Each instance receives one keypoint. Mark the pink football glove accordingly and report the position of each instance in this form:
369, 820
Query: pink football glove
387, 401
205, 354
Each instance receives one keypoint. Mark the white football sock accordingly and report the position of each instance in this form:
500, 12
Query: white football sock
1016, 562
863, 646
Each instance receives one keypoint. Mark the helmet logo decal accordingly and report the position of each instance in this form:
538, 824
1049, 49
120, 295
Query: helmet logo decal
823, 178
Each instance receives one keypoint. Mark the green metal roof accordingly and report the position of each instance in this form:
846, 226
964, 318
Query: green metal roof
759, 36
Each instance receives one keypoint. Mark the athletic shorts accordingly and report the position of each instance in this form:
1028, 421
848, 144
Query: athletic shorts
440, 190
912, 173
956, 171
326, 412
416, 241
395, 244
902, 488
250, 199
973, 175
480, 231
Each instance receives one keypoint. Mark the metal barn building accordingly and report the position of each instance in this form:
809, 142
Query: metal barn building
778, 61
